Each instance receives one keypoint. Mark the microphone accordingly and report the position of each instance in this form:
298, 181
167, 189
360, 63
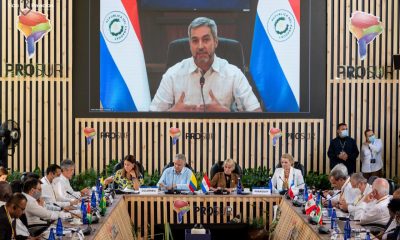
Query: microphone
202, 81
73, 214
72, 195
334, 195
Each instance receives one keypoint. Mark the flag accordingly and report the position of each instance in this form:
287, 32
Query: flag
123, 78
305, 197
319, 213
310, 204
290, 192
193, 183
89, 214
275, 55
205, 184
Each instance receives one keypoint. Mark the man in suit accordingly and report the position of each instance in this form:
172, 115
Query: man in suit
343, 149
13, 209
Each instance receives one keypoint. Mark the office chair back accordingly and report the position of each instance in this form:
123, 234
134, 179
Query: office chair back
228, 49
218, 167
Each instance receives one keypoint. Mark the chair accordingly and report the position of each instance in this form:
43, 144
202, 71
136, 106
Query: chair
392, 186
229, 49
171, 164
296, 165
217, 167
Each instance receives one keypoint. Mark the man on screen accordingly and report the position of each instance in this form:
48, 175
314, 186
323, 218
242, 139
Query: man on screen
204, 82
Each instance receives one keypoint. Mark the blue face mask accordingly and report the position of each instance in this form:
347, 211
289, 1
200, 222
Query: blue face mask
371, 139
344, 133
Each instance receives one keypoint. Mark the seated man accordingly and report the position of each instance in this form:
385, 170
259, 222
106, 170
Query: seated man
340, 182
394, 225
53, 172
374, 206
177, 177
36, 212
357, 180
204, 82
62, 187
13, 209
286, 175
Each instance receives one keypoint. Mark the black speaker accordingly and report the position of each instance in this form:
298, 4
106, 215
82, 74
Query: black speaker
396, 61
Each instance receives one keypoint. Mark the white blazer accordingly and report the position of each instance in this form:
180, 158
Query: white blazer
279, 175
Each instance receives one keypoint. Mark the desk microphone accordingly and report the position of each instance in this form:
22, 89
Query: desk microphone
73, 214
72, 195
334, 195
202, 80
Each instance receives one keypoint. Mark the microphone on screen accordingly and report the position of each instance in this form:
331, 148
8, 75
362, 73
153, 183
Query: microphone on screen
202, 81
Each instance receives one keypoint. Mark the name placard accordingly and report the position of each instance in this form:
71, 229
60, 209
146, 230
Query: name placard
261, 191
148, 190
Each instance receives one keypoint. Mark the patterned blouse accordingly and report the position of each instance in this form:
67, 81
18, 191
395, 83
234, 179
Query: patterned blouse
122, 181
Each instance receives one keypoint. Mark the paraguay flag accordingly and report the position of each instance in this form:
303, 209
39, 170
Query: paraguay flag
193, 183
205, 184
275, 56
123, 78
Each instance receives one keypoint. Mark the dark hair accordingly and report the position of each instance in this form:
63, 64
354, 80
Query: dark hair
15, 199
30, 183
52, 169
16, 186
3, 171
131, 159
367, 130
5, 191
340, 124
28, 175
394, 205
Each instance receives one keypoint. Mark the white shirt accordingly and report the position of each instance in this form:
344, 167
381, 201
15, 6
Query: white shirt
370, 151
226, 81
49, 194
375, 212
356, 208
349, 193
294, 174
61, 187
34, 212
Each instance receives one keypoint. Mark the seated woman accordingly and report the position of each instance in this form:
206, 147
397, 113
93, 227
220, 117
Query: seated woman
128, 176
283, 177
3, 174
227, 179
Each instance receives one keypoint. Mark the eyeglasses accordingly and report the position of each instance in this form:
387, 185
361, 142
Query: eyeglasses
23, 209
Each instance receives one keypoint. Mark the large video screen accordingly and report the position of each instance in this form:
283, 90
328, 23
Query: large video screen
143, 59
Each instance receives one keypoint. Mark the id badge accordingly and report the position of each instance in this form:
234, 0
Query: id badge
373, 160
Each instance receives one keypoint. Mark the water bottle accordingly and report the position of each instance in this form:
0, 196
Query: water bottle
84, 214
59, 228
333, 219
347, 229
239, 189
367, 236
100, 192
270, 185
93, 200
51, 234
305, 193
330, 208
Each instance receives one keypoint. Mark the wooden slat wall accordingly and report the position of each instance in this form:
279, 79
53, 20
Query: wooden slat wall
369, 102
41, 105
246, 140
147, 211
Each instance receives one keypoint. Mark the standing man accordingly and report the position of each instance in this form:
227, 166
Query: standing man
176, 177
371, 155
343, 149
204, 82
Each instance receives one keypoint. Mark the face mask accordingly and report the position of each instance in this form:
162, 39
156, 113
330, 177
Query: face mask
371, 139
344, 133
37, 195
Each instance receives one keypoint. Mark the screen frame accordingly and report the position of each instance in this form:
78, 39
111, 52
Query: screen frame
86, 63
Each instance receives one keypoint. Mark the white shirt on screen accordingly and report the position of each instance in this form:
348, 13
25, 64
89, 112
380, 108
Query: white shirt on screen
226, 81
371, 151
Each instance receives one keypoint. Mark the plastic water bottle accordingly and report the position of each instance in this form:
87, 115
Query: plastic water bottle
84, 214
59, 228
93, 200
330, 208
347, 229
270, 185
305, 193
333, 219
239, 189
368, 235
51, 234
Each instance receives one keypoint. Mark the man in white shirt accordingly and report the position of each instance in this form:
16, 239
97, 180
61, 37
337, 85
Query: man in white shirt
371, 155
62, 187
374, 206
357, 181
53, 171
204, 82
36, 212
342, 189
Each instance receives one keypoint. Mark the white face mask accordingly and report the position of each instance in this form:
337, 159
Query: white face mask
37, 194
344, 133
